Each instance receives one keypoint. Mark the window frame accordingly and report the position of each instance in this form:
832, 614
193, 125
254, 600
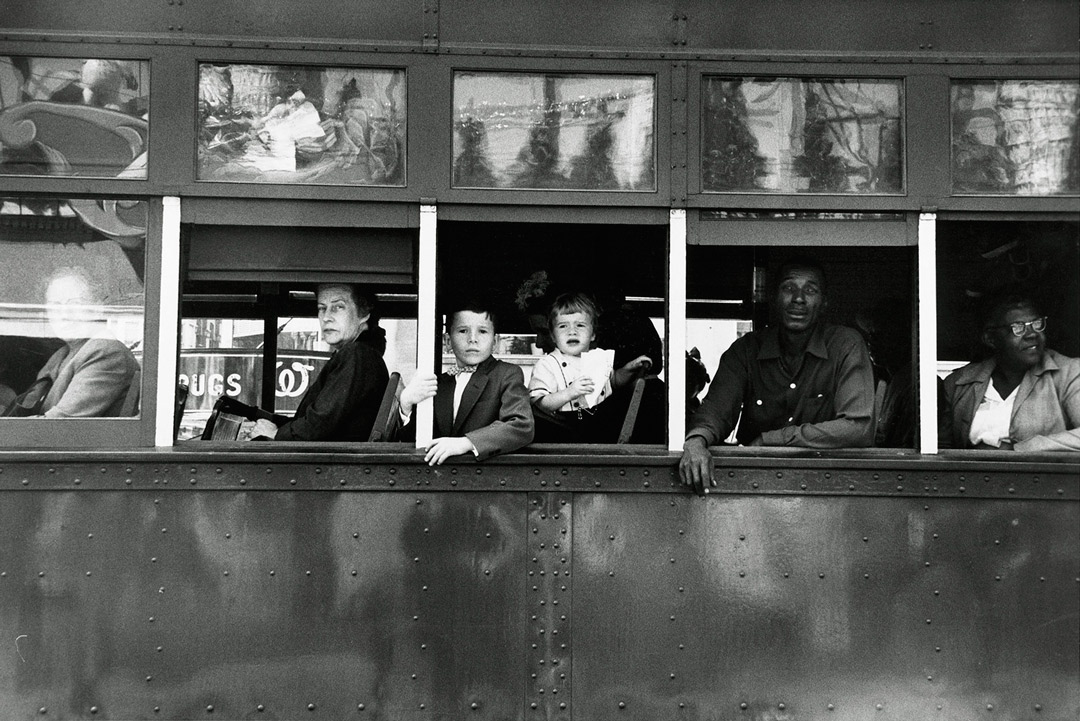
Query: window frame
111, 432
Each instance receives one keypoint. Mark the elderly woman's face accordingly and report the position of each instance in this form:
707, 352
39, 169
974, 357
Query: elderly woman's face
1016, 351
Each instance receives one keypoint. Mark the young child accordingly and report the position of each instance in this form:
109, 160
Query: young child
569, 384
481, 405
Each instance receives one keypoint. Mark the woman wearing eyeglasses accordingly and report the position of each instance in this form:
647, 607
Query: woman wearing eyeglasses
1025, 397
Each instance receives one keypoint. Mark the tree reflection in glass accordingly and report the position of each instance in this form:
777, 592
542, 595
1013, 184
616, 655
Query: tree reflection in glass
794, 135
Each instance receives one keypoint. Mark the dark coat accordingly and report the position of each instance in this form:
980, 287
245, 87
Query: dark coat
495, 412
342, 403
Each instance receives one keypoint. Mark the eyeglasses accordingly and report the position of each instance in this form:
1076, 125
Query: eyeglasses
1020, 328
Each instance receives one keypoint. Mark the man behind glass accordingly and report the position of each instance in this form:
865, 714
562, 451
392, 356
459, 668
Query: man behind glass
801, 383
92, 374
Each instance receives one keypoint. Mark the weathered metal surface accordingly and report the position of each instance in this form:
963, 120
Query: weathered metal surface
261, 605
750, 607
413, 593
606, 470
550, 594
897, 26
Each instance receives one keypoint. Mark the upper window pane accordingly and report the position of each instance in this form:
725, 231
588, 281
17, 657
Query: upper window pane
293, 124
71, 307
1015, 137
554, 132
801, 135
68, 116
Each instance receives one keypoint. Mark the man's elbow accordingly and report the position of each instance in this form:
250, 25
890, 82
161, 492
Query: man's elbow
861, 434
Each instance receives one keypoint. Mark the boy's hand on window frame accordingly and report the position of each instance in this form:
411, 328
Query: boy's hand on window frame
443, 448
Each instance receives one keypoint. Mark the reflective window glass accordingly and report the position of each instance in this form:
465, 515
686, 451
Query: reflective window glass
71, 307
70, 116
1015, 137
293, 124
802, 135
554, 132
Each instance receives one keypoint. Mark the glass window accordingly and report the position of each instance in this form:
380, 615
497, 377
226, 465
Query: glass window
67, 116
71, 307
554, 132
802, 135
1015, 137
292, 124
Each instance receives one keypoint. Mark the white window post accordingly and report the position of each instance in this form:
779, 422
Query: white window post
425, 316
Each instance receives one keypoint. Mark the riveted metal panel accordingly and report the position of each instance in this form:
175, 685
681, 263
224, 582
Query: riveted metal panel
799, 473
548, 652
346, 19
812, 608
327, 584
261, 605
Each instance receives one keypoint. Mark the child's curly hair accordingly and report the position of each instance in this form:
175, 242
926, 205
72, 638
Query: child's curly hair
568, 303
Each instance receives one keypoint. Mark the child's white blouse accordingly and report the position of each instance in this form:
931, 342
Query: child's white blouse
556, 371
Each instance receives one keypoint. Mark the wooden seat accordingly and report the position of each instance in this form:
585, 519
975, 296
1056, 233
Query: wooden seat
632, 411
132, 396
182, 392
388, 409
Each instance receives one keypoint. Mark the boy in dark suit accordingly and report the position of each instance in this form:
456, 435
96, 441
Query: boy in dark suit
481, 404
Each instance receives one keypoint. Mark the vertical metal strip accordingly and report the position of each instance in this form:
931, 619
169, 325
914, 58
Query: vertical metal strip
168, 320
548, 605
425, 316
676, 329
927, 325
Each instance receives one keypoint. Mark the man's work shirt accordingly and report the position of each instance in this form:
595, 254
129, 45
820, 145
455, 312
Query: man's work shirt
827, 402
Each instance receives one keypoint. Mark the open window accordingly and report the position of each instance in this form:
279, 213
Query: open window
1033, 266
869, 267
249, 328
522, 268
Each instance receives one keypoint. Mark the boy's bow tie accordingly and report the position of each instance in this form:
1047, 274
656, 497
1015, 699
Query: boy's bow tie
458, 370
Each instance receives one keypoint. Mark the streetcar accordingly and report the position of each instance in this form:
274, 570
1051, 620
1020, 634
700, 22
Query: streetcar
211, 165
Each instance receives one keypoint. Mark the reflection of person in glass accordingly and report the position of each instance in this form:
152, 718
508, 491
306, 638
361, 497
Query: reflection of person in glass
92, 373
342, 403
804, 383
1025, 397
